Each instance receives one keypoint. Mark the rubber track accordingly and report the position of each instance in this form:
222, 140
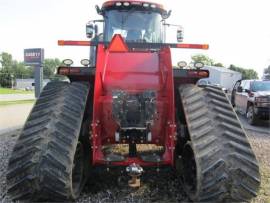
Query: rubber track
227, 169
41, 162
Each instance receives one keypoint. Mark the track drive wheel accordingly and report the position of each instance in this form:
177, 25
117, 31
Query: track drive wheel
218, 162
48, 162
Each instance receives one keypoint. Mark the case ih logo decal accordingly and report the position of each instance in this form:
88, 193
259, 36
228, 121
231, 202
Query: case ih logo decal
33, 56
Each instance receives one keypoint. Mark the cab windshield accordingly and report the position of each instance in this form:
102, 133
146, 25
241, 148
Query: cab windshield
134, 25
260, 86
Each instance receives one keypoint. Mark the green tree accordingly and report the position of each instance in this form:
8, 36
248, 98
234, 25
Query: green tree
218, 64
10, 66
6, 60
49, 67
267, 70
203, 59
21, 71
11, 69
246, 73
5, 71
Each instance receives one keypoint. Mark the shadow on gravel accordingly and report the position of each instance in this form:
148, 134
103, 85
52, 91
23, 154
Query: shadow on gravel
156, 186
263, 123
111, 186
263, 126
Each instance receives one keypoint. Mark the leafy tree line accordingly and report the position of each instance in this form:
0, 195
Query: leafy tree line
11, 69
205, 60
246, 73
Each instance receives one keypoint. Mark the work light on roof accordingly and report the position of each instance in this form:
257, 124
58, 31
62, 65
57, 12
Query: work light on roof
67, 62
146, 5
198, 65
182, 64
126, 3
85, 62
118, 4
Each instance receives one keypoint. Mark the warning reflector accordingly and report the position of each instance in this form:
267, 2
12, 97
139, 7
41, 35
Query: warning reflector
117, 44
73, 43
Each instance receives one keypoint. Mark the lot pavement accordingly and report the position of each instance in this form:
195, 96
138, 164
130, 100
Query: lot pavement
13, 116
16, 97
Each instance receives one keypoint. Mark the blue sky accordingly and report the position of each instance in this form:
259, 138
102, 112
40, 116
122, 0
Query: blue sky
238, 31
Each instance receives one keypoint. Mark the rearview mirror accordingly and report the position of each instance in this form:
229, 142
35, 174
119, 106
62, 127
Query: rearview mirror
239, 89
90, 30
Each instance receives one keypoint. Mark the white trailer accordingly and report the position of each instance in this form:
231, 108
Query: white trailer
221, 76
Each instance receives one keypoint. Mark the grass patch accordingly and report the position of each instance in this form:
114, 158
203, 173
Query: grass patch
28, 101
12, 91
264, 192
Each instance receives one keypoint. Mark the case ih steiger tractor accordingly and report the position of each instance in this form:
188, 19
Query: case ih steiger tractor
130, 96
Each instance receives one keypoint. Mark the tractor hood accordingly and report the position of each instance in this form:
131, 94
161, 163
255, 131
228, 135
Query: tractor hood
262, 93
131, 70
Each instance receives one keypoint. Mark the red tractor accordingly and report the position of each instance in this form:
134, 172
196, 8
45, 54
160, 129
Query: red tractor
128, 95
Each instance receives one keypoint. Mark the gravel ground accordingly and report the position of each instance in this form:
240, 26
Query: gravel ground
7, 141
156, 187
261, 146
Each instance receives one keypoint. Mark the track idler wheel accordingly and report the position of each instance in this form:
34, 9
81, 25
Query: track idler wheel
189, 169
78, 170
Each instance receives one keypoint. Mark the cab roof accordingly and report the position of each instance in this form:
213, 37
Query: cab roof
112, 3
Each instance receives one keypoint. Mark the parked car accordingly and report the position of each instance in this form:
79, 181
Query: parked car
252, 97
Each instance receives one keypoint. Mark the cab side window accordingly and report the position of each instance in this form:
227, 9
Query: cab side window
246, 86
241, 86
243, 83
235, 88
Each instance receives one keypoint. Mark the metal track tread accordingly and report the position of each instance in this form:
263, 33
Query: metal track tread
226, 167
41, 164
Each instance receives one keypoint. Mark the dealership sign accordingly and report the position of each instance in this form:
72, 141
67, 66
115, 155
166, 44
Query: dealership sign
33, 56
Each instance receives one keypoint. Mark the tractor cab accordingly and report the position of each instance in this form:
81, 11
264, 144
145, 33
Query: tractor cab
135, 21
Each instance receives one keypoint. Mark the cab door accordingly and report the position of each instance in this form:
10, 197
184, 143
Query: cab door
239, 98
233, 96
245, 96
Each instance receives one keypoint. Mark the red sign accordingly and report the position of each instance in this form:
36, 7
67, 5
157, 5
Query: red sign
33, 56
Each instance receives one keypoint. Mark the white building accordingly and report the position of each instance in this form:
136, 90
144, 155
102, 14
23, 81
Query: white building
27, 83
222, 76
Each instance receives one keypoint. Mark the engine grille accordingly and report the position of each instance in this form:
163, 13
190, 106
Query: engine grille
134, 111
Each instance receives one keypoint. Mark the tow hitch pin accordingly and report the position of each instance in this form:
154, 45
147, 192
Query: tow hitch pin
135, 171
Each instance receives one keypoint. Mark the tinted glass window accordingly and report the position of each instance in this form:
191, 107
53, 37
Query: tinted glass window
134, 25
260, 86
237, 84
243, 83
246, 85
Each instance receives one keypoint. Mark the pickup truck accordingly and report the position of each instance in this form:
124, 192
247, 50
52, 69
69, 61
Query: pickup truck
252, 98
